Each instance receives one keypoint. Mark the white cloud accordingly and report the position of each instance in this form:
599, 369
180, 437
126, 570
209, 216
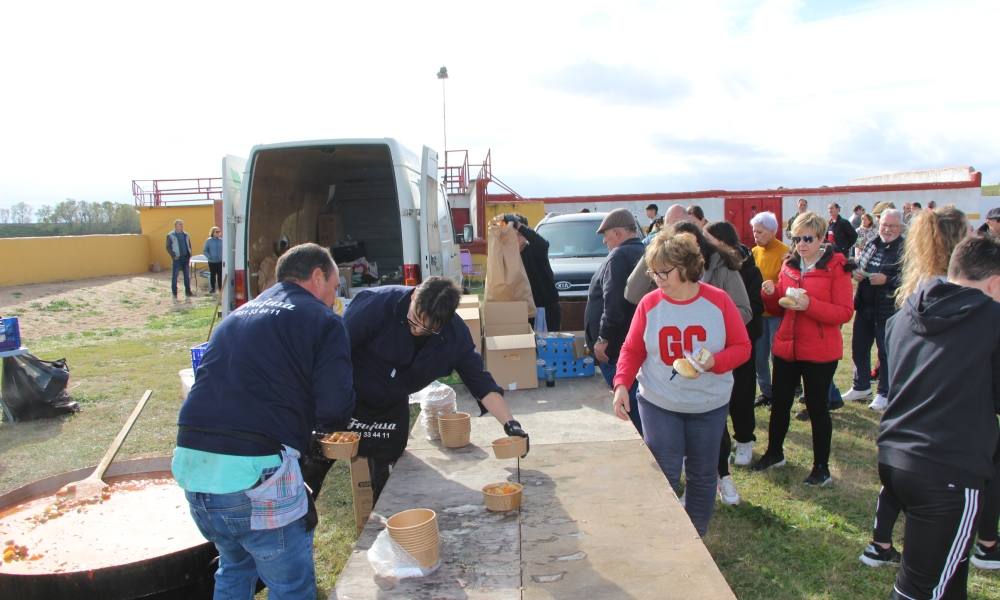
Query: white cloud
565, 93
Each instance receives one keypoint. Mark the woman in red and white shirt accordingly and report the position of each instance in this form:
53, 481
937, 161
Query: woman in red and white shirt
686, 415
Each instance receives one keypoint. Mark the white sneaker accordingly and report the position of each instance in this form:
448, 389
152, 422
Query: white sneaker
857, 395
727, 491
744, 453
879, 404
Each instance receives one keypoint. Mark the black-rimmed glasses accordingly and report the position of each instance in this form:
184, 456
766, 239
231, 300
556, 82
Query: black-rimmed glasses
661, 275
421, 328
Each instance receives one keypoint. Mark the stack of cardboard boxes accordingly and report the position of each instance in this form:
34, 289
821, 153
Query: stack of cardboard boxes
503, 336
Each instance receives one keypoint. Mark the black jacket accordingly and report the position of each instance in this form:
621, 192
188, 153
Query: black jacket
535, 257
843, 235
279, 366
752, 280
608, 314
887, 259
944, 385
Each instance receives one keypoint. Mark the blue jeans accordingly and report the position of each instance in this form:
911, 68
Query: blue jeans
762, 354
868, 329
608, 371
282, 557
672, 436
181, 264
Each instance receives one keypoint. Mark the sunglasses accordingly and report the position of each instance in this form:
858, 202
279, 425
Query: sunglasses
808, 239
421, 328
661, 275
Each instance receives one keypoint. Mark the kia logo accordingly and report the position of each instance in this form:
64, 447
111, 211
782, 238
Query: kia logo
563, 285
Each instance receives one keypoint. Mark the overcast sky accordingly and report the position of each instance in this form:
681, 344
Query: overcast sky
581, 97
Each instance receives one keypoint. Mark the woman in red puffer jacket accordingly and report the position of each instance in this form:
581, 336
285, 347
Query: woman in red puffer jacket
808, 343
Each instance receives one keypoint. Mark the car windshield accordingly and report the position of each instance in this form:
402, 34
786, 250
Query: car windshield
573, 238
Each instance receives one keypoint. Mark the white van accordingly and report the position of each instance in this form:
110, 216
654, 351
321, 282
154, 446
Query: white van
367, 197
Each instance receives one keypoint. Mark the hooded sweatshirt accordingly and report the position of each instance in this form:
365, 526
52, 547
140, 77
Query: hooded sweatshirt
944, 385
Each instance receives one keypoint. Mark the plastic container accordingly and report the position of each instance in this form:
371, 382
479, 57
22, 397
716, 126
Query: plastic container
509, 447
197, 354
556, 352
10, 334
341, 445
502, 502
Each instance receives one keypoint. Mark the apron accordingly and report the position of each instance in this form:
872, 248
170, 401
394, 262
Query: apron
384, 429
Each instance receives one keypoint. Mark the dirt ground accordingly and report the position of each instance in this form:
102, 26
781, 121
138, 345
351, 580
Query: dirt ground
44, 309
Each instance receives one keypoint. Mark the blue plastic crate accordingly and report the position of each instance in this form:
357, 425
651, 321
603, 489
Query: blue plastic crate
197, 353
557, 352
10, 334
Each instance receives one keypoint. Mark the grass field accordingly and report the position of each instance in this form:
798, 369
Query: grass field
784, 541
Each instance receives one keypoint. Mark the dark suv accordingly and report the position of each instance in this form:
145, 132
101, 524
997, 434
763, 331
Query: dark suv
576, 250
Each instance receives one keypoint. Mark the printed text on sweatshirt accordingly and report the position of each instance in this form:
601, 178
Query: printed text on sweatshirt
663, 329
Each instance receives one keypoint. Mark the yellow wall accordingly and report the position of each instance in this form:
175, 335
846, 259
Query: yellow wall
65, 258
533, 210
158, 221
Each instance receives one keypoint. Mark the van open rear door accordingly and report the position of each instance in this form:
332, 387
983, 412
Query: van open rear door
430, 226
234, 288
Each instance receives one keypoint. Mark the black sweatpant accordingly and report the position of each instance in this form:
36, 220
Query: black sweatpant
740, 411
816, 379
886, 515
940, 518
991, 510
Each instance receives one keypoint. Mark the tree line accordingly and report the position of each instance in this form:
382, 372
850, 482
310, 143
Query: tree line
69, 217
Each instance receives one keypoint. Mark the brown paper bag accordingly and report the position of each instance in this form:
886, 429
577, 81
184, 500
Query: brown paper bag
506, 280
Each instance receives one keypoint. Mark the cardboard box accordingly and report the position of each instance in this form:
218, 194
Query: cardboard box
361, 490
469, 301
471, 318
509, 346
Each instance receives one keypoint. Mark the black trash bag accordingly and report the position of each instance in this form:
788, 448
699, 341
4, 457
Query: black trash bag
34, 388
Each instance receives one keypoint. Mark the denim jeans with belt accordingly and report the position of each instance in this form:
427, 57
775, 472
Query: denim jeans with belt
282, 557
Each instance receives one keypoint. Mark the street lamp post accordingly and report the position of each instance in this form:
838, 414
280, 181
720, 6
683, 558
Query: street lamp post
442, 74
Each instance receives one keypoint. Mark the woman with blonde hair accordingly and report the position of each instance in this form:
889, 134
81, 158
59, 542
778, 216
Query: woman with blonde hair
817, 297
697, 327
930, 239
213, 255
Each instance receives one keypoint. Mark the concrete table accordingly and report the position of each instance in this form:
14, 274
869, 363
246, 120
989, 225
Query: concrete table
598, 519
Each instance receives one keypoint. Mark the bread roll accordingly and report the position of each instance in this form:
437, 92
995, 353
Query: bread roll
685, 369
788, 302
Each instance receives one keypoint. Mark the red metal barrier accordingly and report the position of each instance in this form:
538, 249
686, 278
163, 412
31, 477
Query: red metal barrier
160, 192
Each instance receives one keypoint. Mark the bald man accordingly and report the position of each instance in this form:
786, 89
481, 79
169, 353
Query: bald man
675, 214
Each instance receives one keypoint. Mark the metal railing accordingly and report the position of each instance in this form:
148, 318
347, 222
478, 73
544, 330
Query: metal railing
161, 192
456, 171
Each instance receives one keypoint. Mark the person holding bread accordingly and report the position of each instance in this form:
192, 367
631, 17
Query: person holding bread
814, 297
685, 339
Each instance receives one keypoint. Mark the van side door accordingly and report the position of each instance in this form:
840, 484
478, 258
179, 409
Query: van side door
430, 224
234, 227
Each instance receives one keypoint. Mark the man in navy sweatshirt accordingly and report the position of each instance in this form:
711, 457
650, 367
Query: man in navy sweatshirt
402, 339
939, 432
277, 368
